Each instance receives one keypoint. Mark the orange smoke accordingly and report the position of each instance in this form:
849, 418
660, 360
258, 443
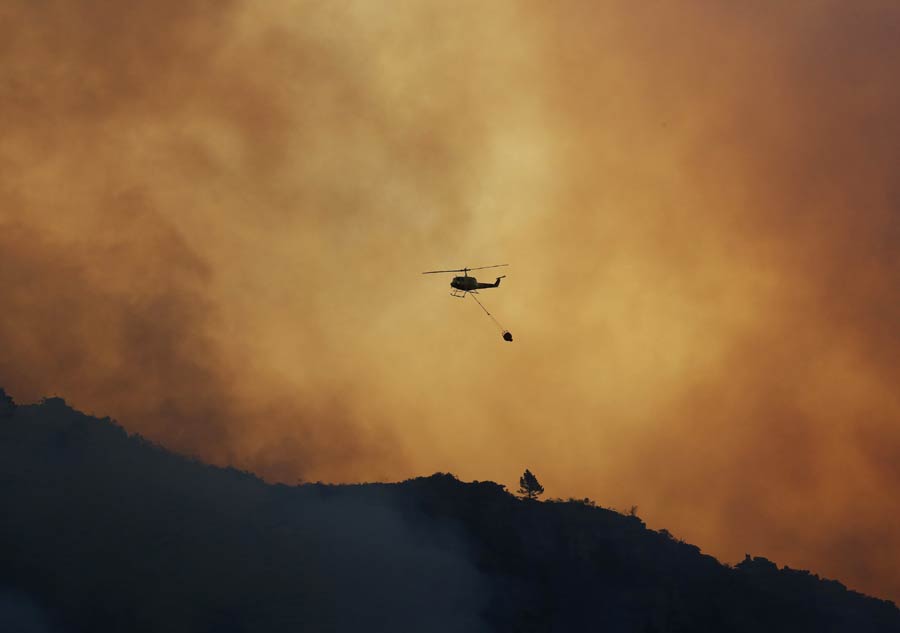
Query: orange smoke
213, 216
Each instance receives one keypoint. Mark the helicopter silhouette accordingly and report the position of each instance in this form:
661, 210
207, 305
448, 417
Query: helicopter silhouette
467, 285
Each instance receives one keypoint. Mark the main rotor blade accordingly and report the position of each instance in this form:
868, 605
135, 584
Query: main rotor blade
462, 270
494, 266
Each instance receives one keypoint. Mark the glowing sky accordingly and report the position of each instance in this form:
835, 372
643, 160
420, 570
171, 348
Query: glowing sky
213, 216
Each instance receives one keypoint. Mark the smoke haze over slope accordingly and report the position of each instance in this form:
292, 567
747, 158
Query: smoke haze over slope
209, 210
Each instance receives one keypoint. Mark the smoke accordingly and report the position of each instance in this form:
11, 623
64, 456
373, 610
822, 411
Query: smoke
215, 214
19, 613
742, 227
372, 567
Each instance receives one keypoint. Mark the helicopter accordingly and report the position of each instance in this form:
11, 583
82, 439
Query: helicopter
466, 285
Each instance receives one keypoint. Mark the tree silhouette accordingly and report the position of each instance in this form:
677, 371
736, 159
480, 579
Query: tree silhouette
7, 406
529, 486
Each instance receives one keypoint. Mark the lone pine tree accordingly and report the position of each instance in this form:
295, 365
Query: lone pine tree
529, 486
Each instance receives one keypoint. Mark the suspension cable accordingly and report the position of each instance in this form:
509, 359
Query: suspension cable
503, 330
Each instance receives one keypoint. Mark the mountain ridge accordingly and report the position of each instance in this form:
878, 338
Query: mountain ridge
108, 531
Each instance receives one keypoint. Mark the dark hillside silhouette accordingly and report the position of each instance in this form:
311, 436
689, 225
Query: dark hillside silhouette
102, 531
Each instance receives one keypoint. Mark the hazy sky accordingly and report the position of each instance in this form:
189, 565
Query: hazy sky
213, 216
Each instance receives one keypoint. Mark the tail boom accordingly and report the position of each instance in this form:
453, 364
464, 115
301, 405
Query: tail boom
493, 285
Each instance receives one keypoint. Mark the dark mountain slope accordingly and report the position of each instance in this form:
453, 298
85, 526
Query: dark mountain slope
105, 532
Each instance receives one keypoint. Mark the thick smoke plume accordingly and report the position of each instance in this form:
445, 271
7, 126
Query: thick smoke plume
213, 216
